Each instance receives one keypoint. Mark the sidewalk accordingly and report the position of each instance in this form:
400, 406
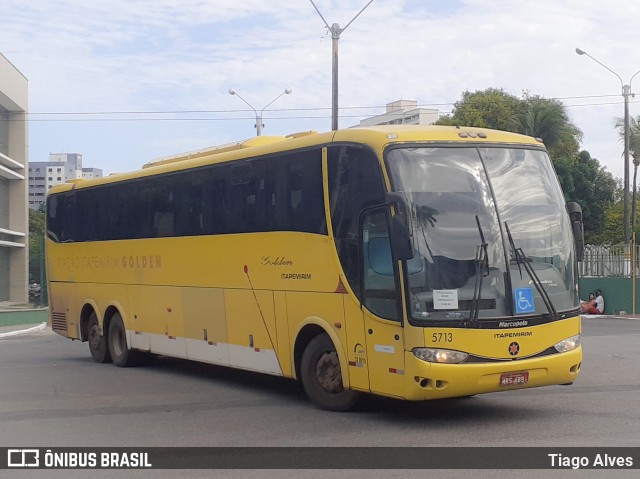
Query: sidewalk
19, 317
11, 316
610, 316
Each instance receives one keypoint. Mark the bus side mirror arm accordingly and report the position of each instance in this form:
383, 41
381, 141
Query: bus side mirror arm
400, 237
575, 215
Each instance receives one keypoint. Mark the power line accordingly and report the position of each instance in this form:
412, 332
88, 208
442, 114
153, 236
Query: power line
323, 117
227, 115
178, 112
172, 112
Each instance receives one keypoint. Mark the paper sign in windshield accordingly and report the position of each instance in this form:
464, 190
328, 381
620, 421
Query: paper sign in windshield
445, 299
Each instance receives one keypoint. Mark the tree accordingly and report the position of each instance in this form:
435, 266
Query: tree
548, 120
36, 238
532, 115
597, 192
612, 232
491, 108
588, 183
634, 152
36, 222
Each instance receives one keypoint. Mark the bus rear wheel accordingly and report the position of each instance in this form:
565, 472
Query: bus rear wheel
322, 377
97, 341
121, 355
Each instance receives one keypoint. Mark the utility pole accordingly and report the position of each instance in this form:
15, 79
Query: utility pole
335, 37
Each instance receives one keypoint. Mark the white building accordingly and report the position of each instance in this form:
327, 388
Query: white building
60, 168
14, 224
403, 112
91, 173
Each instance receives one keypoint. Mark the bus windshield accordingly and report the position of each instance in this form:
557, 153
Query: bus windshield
459, 200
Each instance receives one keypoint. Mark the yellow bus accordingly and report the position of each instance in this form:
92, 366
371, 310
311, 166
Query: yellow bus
406, 261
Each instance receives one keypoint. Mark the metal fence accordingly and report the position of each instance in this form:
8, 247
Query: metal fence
609, 261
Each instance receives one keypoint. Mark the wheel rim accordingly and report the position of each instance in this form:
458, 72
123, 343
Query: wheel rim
328, 372
94, 336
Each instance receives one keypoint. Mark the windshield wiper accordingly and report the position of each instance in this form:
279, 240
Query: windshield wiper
521, 259
481, 263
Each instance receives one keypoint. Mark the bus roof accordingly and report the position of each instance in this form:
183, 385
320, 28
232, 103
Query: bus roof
377, 137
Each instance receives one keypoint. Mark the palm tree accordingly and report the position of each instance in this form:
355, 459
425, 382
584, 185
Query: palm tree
548, 120
634, 152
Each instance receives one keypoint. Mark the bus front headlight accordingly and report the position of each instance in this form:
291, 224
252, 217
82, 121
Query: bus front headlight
433, 355
568, 344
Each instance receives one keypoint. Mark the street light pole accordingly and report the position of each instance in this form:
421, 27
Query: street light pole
259, 124
335, 38
626, 93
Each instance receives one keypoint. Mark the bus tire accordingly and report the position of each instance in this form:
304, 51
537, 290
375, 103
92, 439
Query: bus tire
97, 341
121, 355
322, 377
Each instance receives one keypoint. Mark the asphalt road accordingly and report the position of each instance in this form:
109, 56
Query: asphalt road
53, 395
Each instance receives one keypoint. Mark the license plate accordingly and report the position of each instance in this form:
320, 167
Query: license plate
514, 379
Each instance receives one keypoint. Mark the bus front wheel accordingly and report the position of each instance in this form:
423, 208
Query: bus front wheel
322, 377
121, 355
97, 341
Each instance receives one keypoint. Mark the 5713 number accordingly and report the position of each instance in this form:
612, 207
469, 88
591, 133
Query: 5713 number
442, 337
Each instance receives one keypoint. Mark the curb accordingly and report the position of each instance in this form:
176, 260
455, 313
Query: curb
608, 316
39, 327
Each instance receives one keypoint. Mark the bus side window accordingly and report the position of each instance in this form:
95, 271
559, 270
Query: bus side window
305, 198
262, 193
278, 203
295, 174
248, 193
355, 182
215, 200
163, 223
295, 198
53, 229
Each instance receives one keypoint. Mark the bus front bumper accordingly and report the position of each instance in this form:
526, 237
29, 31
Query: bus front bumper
424, 380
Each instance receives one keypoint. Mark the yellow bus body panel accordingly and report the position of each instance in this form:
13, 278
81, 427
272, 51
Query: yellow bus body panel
176, 296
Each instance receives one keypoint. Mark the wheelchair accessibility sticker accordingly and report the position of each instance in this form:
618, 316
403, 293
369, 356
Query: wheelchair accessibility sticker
524, 300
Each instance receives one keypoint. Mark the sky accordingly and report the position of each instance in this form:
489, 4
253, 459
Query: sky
124, 82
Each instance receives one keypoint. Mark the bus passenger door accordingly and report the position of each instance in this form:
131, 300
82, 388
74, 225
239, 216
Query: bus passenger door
381, 303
